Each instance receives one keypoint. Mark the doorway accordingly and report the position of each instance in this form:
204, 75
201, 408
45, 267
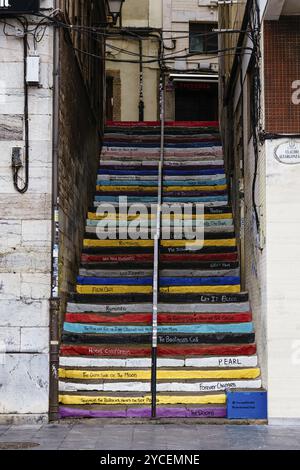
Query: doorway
196, 101
109, 98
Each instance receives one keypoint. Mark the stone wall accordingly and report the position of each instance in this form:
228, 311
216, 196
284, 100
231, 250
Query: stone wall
25, 234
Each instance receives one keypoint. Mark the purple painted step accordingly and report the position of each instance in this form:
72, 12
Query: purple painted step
204, 412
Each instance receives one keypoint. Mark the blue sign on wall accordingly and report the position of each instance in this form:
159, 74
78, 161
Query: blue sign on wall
247, 404
16, 7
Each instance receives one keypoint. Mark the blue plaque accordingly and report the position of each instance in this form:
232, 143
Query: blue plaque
247, 404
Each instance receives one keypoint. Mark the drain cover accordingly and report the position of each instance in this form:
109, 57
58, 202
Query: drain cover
17, 445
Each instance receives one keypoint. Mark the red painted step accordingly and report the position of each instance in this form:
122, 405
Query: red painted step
142, 258
199, 257
167, 124
146, 318
162, 350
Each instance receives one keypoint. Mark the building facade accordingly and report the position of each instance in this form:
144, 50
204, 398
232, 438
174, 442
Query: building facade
51, 120
191, 59
260, 113
132, 71
189, 47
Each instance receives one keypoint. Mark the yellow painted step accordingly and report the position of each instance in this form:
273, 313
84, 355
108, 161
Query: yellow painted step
94, 216
251, 373
143, 400
195, 188
118, 243
180, 243
144, 189
201, 290
113, 289
150, 243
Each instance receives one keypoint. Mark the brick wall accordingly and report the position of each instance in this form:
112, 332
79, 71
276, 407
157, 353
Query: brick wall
282, 68
79, 148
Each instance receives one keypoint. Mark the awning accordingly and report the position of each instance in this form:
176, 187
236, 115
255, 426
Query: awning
195, 77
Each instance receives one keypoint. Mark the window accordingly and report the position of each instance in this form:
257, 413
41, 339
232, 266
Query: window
202, 40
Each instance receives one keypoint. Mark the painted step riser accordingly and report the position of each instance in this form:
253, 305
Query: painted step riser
208, 202
154, 156
193, 178
162, 374
163, 329
184, 152
167, 231
116, 273
220, 227
146, 318
219, 399
132, 151
146, 243
209, 225
167, 163
114, 203
170, 339
153, 184
162, 308
164, 281
173, 412
167, 273
191, 352
178, 387
213, 362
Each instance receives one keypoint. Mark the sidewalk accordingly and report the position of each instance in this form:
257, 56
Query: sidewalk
95, 436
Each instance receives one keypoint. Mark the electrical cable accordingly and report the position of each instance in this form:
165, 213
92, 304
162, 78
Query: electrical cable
16, 169
256, 107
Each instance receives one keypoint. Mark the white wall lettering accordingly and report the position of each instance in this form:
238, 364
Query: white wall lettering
296, 93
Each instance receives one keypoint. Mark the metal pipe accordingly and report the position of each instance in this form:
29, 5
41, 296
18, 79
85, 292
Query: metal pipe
54, 301
156, 251
141, 99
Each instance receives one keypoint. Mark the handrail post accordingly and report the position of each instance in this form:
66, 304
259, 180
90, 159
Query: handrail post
156, 253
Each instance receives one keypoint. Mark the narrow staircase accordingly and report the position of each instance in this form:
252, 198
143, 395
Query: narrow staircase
206, 340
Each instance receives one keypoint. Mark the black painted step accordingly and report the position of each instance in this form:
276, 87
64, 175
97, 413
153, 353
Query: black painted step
216, 338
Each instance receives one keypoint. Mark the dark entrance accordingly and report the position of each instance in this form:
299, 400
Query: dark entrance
109, 98
196, 101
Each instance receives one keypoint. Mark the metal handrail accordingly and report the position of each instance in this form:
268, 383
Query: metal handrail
157, 237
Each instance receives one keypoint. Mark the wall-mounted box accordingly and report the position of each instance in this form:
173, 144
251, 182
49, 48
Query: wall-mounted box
33, 70
247, 404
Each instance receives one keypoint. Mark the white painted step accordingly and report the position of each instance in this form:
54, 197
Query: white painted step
162, 308
184, 387
201, 362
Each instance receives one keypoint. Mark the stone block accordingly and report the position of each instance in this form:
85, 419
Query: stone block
36, 286
24, 381
10, 286
11, 127
25, 207
10, 235
10, 341
36, 231
24, 313
34, 258
34, 340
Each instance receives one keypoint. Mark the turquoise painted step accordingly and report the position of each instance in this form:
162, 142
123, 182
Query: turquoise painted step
192, 329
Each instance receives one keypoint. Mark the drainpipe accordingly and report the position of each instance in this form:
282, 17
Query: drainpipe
54, 300
141, 101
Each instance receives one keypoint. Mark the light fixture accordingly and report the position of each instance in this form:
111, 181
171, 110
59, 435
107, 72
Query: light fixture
115, 8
